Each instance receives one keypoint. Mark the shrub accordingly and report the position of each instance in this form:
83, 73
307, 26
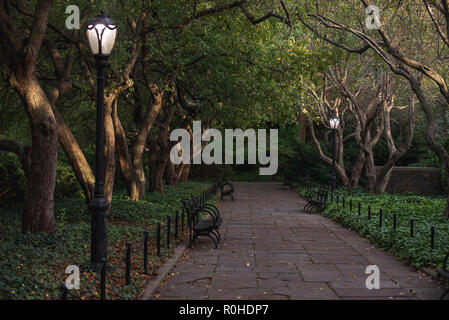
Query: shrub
66, 183
425, 211
12, 179
33, 265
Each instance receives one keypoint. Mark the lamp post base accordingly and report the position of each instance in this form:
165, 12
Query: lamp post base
98, 208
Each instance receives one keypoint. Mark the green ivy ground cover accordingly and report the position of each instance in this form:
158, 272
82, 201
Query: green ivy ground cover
32, 266
424, 211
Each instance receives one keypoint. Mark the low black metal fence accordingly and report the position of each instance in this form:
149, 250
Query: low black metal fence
391, 222
162, 237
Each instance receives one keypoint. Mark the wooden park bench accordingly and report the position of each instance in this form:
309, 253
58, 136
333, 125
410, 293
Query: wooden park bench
203, 220
315, 199
444, 274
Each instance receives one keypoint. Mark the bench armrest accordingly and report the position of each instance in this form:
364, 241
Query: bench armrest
210, 212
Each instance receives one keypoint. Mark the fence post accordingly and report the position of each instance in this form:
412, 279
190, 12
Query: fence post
412, 224
350, 205
168, 231
128, 264
380, 218
369, 212
324, 201
360, 209
103, 279
432, 237
182, 220
337, 199
395, 218
145, 252
332, 197
190, 225
158, 239
176, 225
344, 201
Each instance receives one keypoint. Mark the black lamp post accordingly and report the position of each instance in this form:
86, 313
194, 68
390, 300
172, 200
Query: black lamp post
101, 33
334, 122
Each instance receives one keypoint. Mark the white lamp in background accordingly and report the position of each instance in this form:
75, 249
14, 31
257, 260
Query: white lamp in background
334, 122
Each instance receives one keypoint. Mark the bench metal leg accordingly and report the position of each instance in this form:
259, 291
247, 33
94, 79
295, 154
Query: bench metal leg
192, 241
217, 234
190, 238
212, 238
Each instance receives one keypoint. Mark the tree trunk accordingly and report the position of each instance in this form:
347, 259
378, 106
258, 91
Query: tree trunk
159, 175
174, 173
139, 145
159, 157
302, 118
170, 172
132, 169
109, 152
383, 182
338, 168
370, 173
153, 155
75, 155
185, 173
430, 136
20, 52
38, 212
124, 157
395, 153
357, 169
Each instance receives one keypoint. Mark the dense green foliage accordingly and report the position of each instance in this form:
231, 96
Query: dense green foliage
222, 68
424, 211
33, 265
12, 179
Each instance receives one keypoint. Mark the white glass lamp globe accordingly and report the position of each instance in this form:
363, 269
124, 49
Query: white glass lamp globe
101, 33
334, 122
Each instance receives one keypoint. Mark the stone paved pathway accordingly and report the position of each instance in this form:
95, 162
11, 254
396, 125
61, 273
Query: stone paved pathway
272, 250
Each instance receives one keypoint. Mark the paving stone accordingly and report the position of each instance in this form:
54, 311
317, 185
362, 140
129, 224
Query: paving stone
234, 280
267, 275
270, 284
426, 293
415, 281
339, 258
363, 292
379, 298
360, 284
307, 291
237, 294
320, 272
291, 255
